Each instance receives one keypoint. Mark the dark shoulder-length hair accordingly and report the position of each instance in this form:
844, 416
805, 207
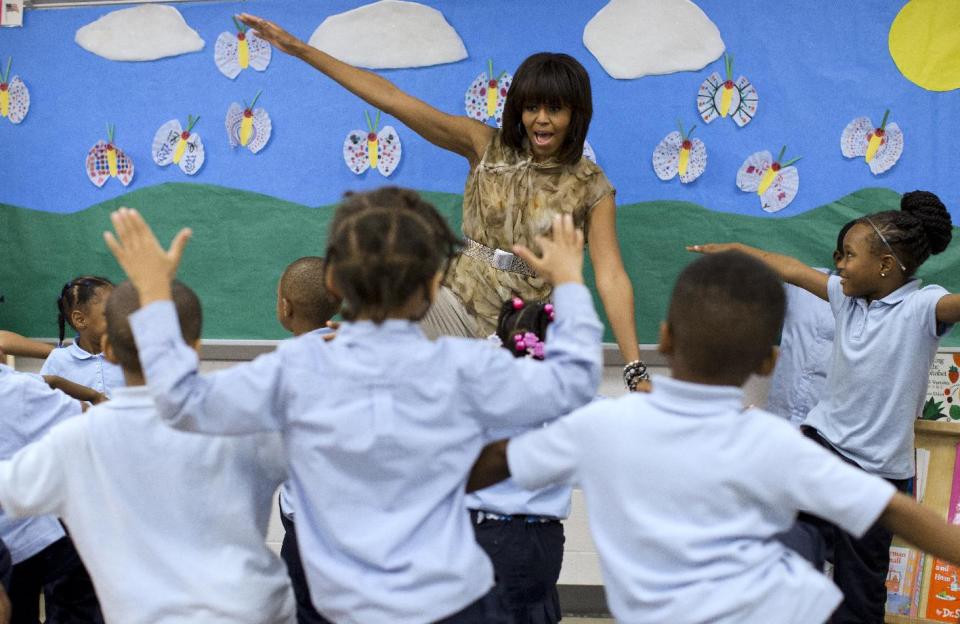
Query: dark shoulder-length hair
553, 79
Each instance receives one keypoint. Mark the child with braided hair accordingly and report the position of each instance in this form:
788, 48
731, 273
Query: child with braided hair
888, 328
521, 530
381, 425
81, 305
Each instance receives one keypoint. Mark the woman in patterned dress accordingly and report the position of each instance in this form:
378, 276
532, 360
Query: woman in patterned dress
519, 178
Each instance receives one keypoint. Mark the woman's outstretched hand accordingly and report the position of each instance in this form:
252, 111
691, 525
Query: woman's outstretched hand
149, 267
562, 258
271, 33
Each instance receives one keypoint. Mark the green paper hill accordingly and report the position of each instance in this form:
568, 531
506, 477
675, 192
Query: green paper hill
242, 241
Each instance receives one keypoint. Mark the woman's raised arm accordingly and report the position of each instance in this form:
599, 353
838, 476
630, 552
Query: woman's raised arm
456, 133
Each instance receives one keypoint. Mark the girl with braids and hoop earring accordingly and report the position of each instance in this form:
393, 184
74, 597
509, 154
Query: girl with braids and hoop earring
382, 425
520, 178
888, 328
81, 306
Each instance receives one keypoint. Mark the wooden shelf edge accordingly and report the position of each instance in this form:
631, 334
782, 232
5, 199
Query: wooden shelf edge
937, 426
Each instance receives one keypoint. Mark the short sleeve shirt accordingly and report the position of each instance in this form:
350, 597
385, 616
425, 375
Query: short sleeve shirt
509, 199
686, 492
877, 381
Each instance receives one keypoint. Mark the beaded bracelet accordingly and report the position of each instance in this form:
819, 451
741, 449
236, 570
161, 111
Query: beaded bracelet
633, 373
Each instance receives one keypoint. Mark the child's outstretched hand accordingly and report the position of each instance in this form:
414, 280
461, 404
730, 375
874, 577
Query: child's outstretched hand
271, 33
562, 259
149, 267
710, 248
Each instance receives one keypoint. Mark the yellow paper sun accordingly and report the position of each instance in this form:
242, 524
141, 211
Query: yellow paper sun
925, 43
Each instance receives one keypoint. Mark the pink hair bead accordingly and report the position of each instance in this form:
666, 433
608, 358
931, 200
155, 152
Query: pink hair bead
548, 308
517, 303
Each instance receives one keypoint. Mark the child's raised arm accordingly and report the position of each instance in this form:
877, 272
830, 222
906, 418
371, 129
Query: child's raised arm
788, 268
458, 134
948, 309
242, 399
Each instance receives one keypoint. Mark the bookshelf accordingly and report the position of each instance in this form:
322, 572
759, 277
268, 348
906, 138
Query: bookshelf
941, 439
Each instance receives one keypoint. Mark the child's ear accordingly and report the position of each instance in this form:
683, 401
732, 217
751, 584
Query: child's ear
196, 347
286, 308
769, 363
887, 265
665, 343
78, 320
328, 282
435, 285
107, 349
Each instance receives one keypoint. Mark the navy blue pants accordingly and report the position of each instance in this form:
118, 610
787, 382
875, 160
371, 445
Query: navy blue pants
526, 558
290, 553
859, 564
490, 609
67, 590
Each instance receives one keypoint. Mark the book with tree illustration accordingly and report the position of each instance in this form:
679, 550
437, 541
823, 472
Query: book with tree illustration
943, 389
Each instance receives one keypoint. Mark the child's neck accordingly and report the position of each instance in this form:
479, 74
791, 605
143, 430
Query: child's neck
682, 373
299, 327
89, 344
884, 290
133, 378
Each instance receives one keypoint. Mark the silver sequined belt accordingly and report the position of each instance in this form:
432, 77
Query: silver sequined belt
497, 258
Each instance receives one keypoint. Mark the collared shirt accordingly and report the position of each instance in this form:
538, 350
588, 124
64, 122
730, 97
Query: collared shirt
287, 508
87, 369
800, 377
171, 525
877, 381
686, 492
381, 428
28, 409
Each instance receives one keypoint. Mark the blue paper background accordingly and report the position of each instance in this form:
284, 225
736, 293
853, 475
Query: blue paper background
816, 66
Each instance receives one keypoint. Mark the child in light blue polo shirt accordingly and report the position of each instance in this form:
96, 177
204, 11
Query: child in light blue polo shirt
521, 530
888, 329
42, 554
800, 377
686, 489
303, 307
171, 525
381, 425
80, 305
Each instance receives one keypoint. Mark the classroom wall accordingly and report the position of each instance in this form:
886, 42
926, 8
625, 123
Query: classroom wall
816, 65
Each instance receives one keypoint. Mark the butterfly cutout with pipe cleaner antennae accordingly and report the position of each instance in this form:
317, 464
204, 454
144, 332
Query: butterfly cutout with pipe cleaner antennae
380, 150
105, 161
881, 146
719, 98
248, 126
486, 96
776, 182
677, 153
172, 144
234, 52
14, 96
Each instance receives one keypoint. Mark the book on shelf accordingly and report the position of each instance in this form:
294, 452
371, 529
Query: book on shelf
903, 581
943, 591
923, 469
943, 389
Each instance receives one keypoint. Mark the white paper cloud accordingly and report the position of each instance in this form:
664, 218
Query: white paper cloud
144, 33
390, 34
634, 38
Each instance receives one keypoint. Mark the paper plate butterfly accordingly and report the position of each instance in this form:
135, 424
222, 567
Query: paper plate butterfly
719, 98
248, 126
380, 150
105, 161
776, 182
234, 52
881, 146
677, 154
486, 96
172, 144
14, 96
